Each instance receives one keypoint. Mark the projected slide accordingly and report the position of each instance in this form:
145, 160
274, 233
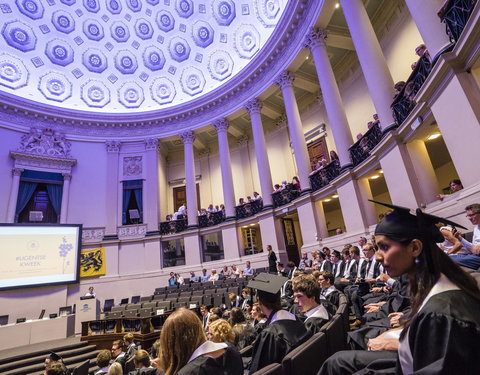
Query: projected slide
38, 255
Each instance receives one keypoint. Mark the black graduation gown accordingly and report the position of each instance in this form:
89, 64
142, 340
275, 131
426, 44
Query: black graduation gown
229, 362
444, 335
314, 324
275, 341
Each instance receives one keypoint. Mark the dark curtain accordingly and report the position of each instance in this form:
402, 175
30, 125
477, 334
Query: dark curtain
135, 186
25, 192
139, 197
55, 195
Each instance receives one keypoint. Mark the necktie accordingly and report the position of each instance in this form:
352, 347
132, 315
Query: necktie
368, 268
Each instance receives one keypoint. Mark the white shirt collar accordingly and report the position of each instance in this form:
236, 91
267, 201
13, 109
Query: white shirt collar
282, 315
207, 347
317, 312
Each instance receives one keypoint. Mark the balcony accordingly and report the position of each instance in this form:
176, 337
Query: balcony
455, 14
248, 209
173, 226
323, 176
361, 149
211, 219
404, 101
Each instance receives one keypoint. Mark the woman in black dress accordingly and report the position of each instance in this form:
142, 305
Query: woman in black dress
272, 260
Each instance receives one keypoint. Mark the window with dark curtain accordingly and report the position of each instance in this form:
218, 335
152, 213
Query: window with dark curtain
39, 191
132, 200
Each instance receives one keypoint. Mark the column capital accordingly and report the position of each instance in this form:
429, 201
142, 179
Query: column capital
187, 137
113, 146
67, 176
151, 144
242, 140
17, 171
221, 125
315, 37
254, 106
285, 79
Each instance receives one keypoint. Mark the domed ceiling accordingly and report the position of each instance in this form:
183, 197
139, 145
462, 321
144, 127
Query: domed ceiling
117, 56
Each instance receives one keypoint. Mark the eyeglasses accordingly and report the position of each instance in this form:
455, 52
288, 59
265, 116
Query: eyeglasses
472, 215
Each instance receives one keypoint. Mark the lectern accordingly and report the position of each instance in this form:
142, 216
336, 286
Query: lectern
87, 309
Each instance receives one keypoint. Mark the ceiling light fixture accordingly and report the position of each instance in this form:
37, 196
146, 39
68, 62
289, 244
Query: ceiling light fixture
337, 5
374, 177
327, 200
335, 196
434, 136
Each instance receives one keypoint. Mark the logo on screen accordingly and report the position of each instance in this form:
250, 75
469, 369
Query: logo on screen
33, 245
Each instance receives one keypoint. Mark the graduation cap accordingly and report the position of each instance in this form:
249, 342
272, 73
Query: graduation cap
402, 223
55, 357
267, 285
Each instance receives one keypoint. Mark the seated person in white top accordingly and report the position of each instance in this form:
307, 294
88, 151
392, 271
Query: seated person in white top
103, 361
235, 272
184, 349
451, 245
181, 211
256, 196
211, 209
213, 275
306, 294
90, 293
248, 270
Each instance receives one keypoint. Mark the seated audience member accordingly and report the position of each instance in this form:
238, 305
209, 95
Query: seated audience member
235, 300
246, 298
256, 196
455, 185
329, 292
323, 263
282, 332
131, 347
211, 209
353, 265
338, 265
55, 368
440, 334
277, 188
103, 361
306, 293
53, 357
115, 369
221, 331
225, 273
90, 293
304, 262
172, 281
338, 231
118, 353
213, 275
204, 277
193, 278
180, 279
257, 315
241, 202
399, 86
248, 270
142, 364
281, 270
291, 268
244, 333
235, 272
451, 245
205, 316
184, 349
472, 259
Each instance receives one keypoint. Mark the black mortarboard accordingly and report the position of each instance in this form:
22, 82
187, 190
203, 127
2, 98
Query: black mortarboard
402, 223
336, 253
280, 264
55, 357
322, 254
268, 285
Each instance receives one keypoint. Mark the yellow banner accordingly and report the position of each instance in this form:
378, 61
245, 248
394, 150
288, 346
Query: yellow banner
92, 262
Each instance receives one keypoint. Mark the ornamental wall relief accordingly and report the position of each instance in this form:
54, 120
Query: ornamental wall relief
132, 166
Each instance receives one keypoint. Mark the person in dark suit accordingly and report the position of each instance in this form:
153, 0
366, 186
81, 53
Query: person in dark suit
118, 353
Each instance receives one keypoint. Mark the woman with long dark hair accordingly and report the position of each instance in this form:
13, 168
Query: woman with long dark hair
442, 332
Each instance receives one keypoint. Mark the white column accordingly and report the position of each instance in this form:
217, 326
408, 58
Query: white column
373, 63
151, 206
424, 13
65, 194
254, 107
295, 128
221, 126
188, 137
12, 203
331, 95
113, 207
